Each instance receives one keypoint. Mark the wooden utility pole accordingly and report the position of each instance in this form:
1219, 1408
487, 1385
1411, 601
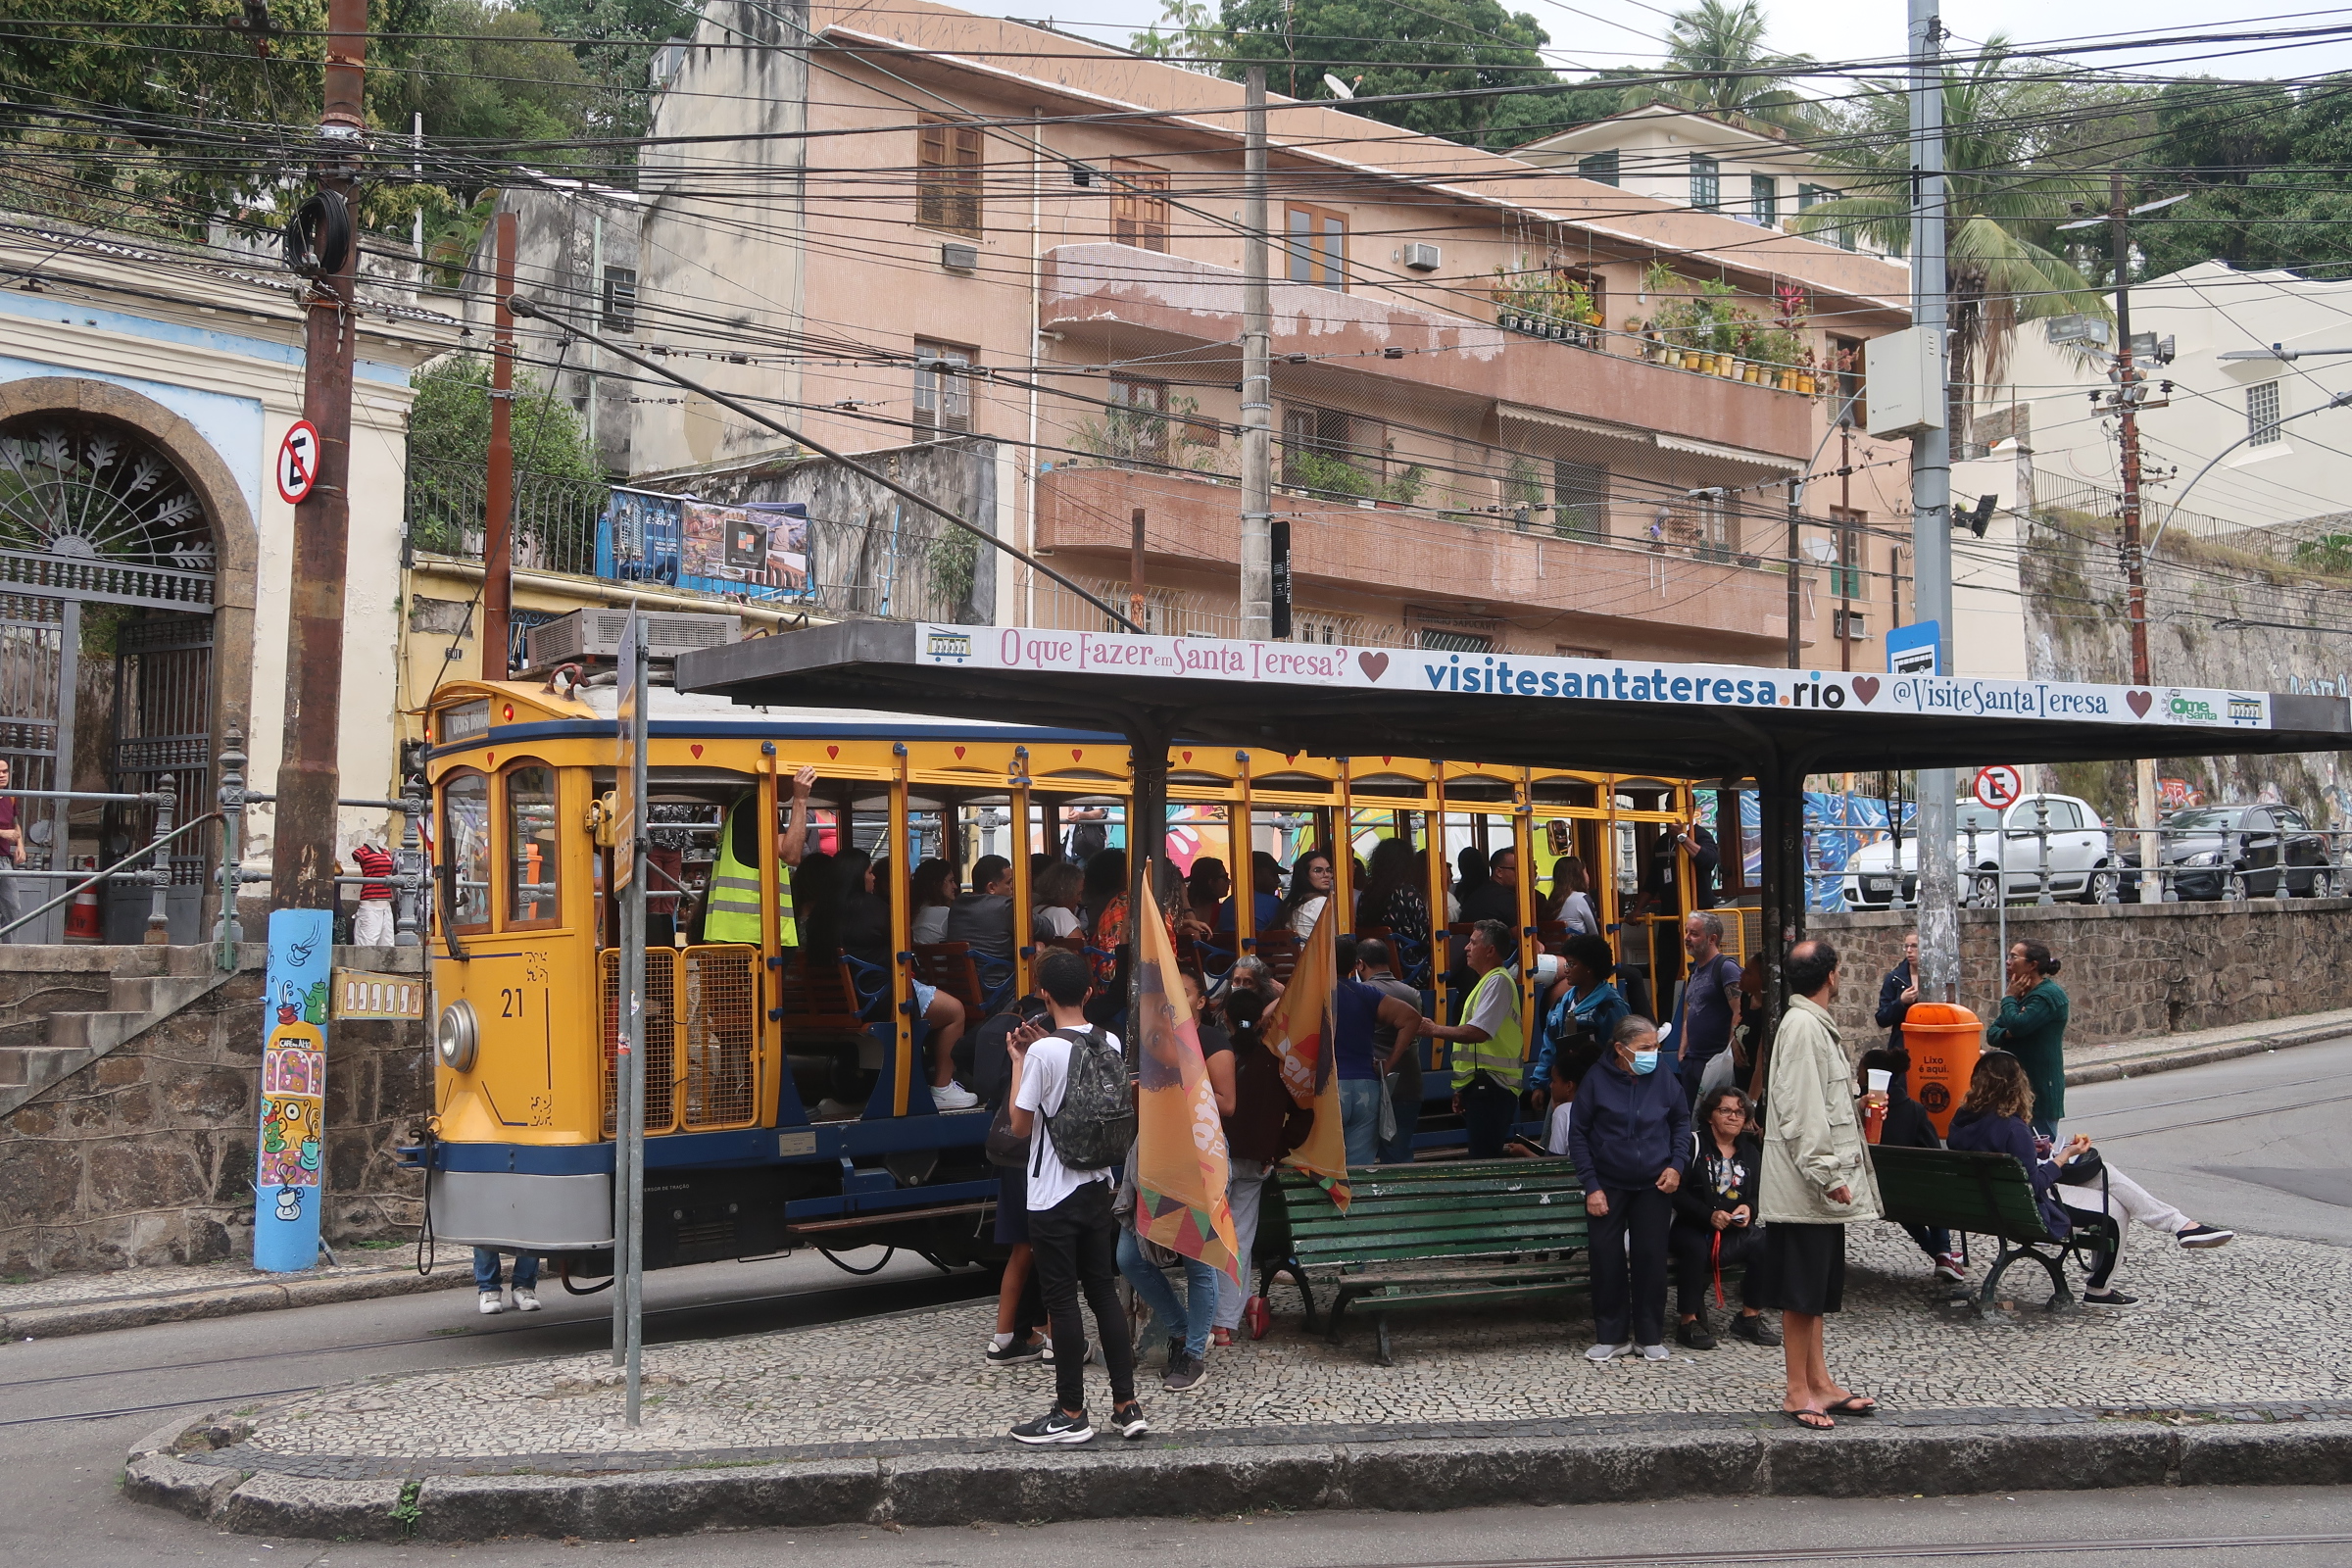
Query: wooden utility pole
1258, 384
303, 851
1135, 571
498, 494
2135, 591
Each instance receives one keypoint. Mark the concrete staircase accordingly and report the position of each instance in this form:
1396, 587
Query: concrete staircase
40, 1047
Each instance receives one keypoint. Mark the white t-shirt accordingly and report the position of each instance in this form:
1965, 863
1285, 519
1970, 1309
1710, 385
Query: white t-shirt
1575, 914
1045, 1078
1304, 917
931, 923
1056, 923
1556, 1131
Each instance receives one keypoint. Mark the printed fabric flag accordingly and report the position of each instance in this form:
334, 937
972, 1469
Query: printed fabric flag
1181, 1166
1299, 1031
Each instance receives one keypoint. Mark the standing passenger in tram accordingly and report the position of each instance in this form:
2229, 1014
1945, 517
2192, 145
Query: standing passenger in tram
1400, 1063
1359, 1009
1489, 1043
731, 908
865, 937
1089, 832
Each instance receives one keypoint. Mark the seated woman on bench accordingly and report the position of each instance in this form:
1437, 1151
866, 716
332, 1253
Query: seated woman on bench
1996, 1118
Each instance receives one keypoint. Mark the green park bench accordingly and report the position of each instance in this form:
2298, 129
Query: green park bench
1977, 1194
1428, 1235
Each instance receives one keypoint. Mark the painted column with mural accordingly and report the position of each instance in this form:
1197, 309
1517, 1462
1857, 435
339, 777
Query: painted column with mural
287, 1185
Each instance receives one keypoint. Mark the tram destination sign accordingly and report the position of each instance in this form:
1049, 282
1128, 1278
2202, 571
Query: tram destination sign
1422, 672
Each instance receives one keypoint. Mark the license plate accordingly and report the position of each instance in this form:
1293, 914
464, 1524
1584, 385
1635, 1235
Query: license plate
1880, 884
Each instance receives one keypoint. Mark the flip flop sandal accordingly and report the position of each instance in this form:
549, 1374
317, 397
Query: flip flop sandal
1221, 1337
1257, 1316
1854, 1404
1822, 1424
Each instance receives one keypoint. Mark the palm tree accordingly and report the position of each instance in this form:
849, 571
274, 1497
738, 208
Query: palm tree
2005, 196
1732, 75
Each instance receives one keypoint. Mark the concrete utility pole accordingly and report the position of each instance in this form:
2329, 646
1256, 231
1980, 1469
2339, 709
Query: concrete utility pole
1257, 379
498, 491
2136, 593
1931, 500
302, 859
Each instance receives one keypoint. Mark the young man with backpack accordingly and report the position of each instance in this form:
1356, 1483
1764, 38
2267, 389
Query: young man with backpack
1074, 1101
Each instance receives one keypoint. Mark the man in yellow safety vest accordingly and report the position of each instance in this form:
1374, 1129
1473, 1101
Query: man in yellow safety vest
1488, 1042
731, 908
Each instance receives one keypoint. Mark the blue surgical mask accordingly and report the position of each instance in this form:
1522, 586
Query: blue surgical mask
1645, 1063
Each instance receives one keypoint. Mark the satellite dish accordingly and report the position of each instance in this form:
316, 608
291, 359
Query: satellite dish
1338, 88
1821, 549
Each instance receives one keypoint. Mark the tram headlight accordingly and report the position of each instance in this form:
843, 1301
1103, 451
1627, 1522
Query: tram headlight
459, 1037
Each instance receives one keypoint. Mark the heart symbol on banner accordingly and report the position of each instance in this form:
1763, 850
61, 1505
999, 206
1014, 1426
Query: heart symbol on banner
833, 750
959, 754
1374, 666
2140, 702
697, 751
1866, 687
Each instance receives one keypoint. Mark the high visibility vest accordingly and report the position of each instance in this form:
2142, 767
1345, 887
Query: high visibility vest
731, 912
1498, 1054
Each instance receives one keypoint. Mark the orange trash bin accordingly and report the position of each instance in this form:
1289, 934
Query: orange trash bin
1945, 1041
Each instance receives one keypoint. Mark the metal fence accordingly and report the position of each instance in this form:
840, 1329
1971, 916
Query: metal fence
555, 519
1174, 613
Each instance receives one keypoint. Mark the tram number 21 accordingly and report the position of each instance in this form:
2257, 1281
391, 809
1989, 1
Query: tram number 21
510, 1003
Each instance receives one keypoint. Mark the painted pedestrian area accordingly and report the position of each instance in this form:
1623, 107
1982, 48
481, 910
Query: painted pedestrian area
2246, 1324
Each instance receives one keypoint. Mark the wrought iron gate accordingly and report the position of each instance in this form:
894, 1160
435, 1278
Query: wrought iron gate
92, 514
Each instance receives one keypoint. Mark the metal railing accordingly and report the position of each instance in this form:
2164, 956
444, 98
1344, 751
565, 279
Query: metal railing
158, 875
555, 519
410, 880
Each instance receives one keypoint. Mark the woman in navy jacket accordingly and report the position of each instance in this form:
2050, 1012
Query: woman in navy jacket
1628, 1139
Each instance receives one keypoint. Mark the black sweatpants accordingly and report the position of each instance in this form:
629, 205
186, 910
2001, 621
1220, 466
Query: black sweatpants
1695, 1260
1629, 1295
1076, 1244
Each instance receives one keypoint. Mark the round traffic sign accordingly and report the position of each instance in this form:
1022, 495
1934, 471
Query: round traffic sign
1999, 786
298, 463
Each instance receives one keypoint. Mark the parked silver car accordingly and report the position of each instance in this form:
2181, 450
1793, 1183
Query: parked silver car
2083, 861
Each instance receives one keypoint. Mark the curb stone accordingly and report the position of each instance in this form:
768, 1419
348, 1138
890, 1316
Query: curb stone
138, 1312
2107, 1072
1939, 1457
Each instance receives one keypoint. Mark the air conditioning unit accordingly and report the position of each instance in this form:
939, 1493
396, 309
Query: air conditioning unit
959, 258
587, 634
1421, 257
1852, 625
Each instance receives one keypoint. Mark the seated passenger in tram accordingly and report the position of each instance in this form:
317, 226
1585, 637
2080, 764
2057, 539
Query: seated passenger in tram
1311, 884
1056, 892
984, 916
932, 894
1265, 875
864, 934
1395, 896
1102, 905
1206, 887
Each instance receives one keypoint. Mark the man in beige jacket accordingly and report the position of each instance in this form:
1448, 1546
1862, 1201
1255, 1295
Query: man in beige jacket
1817, 1179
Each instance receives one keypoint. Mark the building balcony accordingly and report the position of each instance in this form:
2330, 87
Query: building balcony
1147, 303
1408, 567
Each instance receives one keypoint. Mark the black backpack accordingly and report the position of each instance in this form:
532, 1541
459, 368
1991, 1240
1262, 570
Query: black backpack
1095, 1125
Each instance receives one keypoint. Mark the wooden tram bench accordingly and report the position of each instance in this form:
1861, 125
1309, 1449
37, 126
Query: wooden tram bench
1980, 1193
1428, 1235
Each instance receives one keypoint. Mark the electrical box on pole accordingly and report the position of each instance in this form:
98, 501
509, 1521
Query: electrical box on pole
1903, 372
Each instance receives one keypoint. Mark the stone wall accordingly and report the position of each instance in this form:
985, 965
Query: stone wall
2131, 970
146, 1155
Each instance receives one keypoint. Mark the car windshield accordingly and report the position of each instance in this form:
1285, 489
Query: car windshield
1981, 818
2206, 818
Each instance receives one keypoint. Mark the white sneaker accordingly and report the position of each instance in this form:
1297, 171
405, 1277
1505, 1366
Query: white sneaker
1607, 1352
1657, 1352
525, 1300
491, 1304
953, 1097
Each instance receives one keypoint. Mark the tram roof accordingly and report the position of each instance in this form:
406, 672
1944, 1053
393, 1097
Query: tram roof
1522, 709
700, 711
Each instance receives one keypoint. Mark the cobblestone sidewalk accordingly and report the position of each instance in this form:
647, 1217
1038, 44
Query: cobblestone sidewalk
90, 1302
2240, 1325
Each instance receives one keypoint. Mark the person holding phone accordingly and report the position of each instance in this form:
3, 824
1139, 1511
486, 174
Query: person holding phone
1715, 1224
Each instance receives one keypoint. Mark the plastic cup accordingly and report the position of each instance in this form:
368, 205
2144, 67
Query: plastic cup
1881, 1080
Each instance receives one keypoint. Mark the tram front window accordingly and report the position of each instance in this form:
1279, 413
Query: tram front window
531, 847
466, 837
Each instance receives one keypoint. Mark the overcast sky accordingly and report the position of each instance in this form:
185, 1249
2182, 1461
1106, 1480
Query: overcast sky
1594, 34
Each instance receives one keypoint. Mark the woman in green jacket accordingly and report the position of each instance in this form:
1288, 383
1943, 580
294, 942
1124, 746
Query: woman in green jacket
2032, 1027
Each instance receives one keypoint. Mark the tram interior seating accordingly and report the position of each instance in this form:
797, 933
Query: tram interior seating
1280, 952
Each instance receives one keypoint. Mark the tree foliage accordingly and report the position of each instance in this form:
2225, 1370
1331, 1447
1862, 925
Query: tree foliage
1731, 72
1440, 46
449, 423
2262, 164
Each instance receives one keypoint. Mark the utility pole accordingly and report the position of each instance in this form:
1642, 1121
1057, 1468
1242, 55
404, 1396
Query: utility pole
1931, 500
1135, 568
301, 861
1796, 501
1257, 379
2135, 592
498, 491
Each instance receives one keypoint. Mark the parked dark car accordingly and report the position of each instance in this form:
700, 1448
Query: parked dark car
2239, 852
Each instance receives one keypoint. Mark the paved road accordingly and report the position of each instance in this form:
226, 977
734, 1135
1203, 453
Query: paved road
2257, 1144
2253, 1144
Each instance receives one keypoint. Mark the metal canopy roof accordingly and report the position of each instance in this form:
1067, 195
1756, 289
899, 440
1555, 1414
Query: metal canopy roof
1679, 720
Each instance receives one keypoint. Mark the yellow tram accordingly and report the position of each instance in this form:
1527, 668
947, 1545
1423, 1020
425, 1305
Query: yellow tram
743, 1158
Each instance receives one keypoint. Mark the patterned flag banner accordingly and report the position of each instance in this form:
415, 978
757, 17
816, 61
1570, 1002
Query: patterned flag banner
1180, 1166
1299, 1031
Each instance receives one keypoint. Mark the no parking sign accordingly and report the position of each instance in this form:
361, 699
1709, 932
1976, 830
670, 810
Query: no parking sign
298, 463
1999, 786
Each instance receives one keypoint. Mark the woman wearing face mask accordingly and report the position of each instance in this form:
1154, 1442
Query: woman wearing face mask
1629, 1137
